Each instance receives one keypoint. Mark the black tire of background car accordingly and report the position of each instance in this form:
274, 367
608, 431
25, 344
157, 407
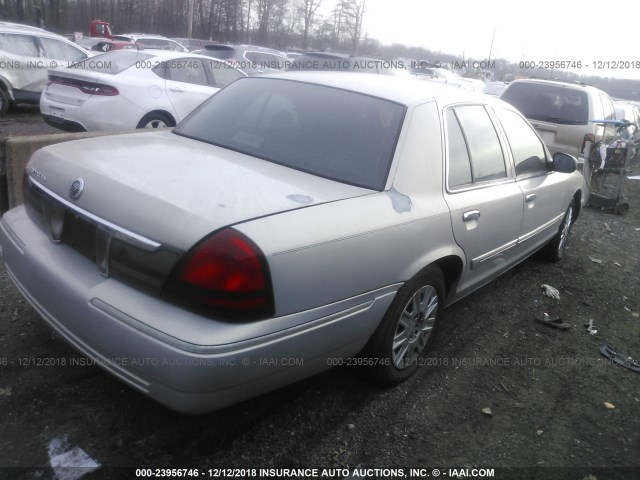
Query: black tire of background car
4, 102
377, 356
554, 250
156, 117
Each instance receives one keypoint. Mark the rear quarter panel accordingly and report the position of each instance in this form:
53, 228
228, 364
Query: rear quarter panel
325, 253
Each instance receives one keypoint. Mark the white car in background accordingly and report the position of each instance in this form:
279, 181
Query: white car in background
26, 53
130, 89
156, 42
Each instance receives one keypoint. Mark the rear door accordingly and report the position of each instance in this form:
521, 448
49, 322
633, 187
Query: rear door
485, 202
187, 84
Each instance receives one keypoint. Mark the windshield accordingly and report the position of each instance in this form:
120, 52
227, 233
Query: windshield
549, 103
336, 134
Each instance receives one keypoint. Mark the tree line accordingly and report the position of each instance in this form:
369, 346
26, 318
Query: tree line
282, 24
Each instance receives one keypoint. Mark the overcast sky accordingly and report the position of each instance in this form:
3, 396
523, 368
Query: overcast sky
535, 30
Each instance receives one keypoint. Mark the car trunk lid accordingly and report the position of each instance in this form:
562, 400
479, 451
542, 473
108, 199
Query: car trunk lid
174, 190
72, 87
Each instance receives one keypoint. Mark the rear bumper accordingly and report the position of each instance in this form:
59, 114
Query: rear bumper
121, 328
66, 125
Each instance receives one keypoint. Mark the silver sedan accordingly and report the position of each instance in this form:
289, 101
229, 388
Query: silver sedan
292, 221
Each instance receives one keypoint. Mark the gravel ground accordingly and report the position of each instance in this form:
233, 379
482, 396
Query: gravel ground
559, 409
24, 120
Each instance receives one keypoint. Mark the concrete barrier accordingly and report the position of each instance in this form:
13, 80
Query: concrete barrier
15, 152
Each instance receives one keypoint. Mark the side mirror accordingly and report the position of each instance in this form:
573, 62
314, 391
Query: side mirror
564, 163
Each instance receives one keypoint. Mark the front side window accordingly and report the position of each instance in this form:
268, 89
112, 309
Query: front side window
526, 148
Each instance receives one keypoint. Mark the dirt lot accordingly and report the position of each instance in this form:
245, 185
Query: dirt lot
560, 410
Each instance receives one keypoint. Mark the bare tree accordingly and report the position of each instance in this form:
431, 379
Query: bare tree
310, 9
353, 11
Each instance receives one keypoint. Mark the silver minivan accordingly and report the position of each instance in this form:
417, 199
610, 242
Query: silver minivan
26, 53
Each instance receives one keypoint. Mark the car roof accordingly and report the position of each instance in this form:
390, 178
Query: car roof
9, 27
19, 29
170, 54
145, 35
559, 83
404, 90
18, 26
257, 48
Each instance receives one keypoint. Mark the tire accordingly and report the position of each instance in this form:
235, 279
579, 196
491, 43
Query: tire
4, 102
554, 250
622, 209
156, 120
407, 330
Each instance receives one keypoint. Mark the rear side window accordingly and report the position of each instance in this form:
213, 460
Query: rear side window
223, 74
61, 51
332, 133
609, 112
475, 153
24, 45
526, 147
266, 60
459, 162
549, 103
186, 70
487, 160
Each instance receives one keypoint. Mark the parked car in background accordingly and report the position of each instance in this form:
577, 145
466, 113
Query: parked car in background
562, 112
104, 45
251, 59
26, 53
495, 89
289, 223
154, 42
340, 62
129, 89
192, 44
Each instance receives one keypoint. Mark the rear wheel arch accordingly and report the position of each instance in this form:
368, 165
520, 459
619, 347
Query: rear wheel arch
157, 115
407, 330
451, 267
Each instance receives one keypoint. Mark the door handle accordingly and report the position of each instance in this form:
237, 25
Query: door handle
530, 198
470, 215
176, 90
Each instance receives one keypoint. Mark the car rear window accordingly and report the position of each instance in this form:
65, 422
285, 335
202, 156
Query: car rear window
114, 62
329, 132
549, 103
219, 51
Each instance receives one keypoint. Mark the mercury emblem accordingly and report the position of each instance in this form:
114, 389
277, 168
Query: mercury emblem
76, 189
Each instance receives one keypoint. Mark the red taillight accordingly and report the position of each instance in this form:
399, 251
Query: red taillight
90, 88
226, 275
